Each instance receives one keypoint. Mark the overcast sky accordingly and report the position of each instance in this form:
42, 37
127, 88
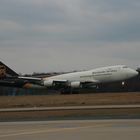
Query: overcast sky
65, 35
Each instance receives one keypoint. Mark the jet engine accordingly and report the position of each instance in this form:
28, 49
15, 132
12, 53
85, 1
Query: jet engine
76, 84
49, 83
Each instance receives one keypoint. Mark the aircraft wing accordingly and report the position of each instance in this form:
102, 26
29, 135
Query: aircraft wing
30, 78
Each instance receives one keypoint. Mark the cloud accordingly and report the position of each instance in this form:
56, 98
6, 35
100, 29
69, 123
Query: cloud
75, 20
62, 58
69, 34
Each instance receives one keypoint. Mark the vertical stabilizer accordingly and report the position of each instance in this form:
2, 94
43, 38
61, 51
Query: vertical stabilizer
6, 71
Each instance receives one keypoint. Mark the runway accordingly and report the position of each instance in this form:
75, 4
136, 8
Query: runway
71, 130
70, 112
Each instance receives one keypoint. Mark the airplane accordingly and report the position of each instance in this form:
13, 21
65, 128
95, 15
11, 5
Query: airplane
68, 81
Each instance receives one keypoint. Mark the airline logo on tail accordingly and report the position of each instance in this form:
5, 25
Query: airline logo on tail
2, 71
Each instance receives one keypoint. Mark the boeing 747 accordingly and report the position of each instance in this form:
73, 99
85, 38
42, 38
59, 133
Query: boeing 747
72, 80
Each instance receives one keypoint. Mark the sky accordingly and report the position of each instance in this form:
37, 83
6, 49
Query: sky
67, 35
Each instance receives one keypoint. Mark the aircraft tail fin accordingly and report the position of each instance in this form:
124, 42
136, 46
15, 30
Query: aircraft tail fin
5, 71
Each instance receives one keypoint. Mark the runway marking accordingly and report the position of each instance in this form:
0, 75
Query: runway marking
70, 108
30, 132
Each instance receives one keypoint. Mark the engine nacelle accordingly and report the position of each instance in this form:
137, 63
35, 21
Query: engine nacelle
75, 84
49, 83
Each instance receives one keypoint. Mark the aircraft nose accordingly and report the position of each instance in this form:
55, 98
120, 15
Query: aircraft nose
133, 73
136, 73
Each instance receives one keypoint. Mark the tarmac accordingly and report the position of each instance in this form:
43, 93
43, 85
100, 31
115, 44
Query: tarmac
70, 112
76, 117
125, 129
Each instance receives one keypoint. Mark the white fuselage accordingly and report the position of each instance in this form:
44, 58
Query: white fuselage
99, 75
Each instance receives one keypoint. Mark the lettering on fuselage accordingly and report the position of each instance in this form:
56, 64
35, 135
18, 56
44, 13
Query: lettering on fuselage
2, 70
101, 73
